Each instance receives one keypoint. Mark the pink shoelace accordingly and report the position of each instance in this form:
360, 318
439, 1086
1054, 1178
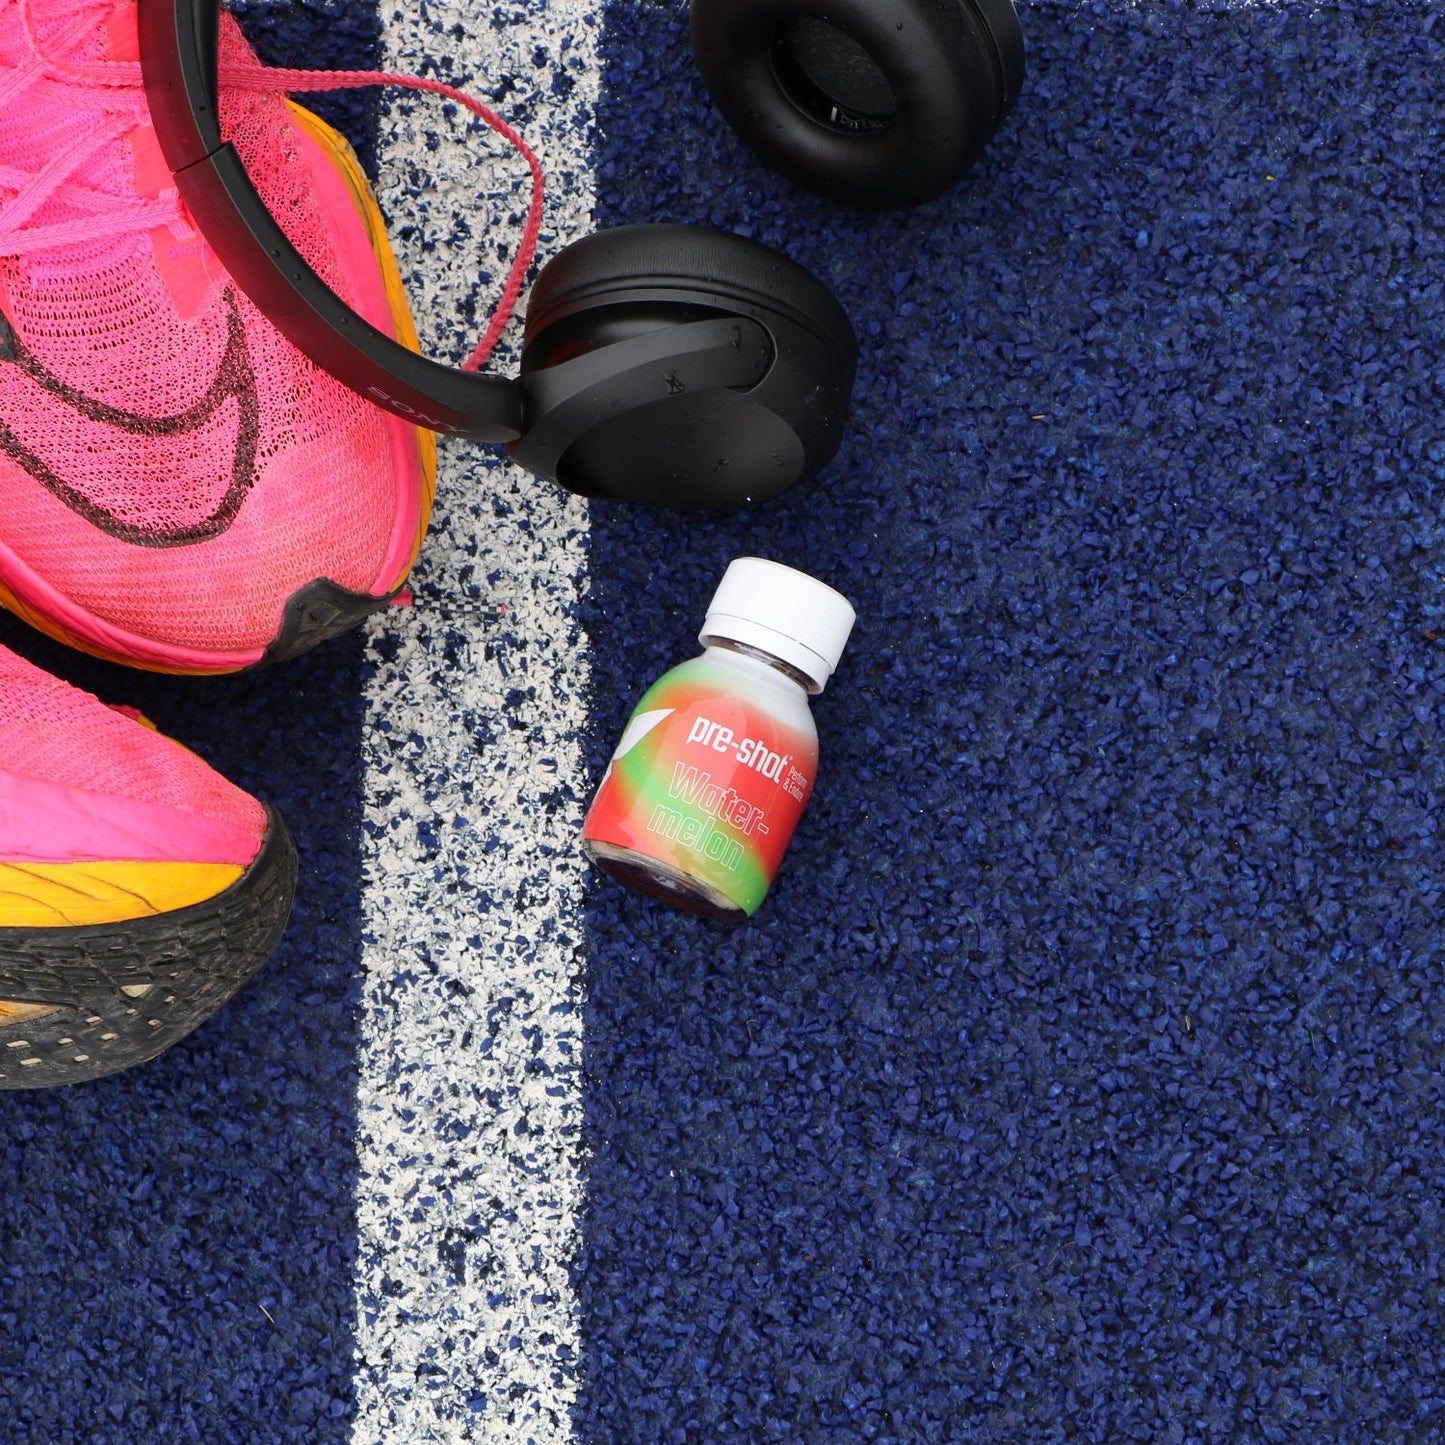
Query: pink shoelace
116, 87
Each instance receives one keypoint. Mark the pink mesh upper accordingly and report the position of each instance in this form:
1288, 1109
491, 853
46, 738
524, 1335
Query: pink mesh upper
55, 736
171, 469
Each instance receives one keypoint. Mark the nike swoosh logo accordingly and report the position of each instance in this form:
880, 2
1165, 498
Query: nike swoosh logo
235, 379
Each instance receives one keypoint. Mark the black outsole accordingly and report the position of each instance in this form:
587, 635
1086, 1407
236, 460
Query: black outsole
315, 614
179, 968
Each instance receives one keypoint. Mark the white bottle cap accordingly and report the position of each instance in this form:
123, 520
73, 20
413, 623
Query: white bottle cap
782, 612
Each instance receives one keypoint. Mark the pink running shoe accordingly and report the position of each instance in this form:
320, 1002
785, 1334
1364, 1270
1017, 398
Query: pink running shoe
179, 488
138, 889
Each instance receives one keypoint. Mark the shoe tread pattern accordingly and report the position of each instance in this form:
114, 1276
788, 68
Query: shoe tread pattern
181, 967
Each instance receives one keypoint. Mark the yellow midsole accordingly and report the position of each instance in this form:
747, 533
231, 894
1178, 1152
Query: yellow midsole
68, 895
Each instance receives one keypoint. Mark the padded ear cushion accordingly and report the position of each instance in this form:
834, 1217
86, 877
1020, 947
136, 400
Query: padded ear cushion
693, 442
652, 267
870, 102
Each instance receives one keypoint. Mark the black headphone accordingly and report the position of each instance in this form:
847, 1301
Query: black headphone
870, 102
669, 364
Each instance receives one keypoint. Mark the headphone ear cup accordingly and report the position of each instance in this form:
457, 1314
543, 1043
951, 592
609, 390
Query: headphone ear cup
881, 103
683, 367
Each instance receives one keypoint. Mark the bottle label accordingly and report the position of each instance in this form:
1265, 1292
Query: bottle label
709, 783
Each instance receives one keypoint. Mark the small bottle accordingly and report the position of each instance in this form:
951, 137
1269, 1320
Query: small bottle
718, 761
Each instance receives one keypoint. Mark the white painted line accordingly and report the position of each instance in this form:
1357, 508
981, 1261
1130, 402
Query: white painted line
469, 1106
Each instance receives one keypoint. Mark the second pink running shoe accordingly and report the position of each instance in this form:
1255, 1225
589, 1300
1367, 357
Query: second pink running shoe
139, 890
180, 489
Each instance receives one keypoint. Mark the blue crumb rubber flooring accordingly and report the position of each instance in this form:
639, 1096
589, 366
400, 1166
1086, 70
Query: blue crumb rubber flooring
1081, 1077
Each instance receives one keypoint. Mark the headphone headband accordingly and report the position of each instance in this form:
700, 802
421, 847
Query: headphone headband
178, 46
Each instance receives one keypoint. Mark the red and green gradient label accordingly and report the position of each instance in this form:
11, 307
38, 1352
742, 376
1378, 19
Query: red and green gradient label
707, 781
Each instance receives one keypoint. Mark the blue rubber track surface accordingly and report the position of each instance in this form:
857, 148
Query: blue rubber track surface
1081, 1077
